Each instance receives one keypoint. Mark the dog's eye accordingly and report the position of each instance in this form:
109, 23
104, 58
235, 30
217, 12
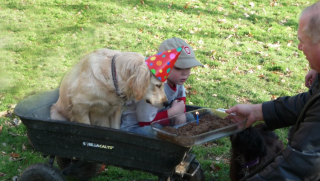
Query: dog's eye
159, 86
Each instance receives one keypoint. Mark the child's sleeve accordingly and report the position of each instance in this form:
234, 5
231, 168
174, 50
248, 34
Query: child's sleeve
159, 115
181, 95
147, 113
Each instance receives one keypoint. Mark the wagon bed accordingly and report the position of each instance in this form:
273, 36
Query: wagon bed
93, 143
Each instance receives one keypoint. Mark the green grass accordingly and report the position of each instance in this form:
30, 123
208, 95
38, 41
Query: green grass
250, 55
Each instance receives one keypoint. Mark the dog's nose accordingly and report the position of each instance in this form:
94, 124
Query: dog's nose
166, 104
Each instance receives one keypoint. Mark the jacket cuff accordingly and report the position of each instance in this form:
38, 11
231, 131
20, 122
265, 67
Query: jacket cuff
268, 109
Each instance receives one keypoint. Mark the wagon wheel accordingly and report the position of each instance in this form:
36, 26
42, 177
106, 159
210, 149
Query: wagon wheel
198, 176
83, 171
42, 172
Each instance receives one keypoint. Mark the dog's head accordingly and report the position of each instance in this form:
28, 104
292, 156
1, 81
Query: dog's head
248, 145
250, 148
155, 94
137, 80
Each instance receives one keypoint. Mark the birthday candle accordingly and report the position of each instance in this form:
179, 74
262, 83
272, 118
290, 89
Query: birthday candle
197, 113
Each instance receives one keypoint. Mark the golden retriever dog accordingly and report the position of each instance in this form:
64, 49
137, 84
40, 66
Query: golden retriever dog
93, 93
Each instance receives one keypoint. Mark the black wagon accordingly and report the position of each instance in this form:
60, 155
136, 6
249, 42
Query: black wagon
80, 149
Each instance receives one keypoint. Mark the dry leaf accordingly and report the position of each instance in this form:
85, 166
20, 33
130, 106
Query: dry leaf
2, 174
229, 36
0, 128
193, 92
221, 20
15, 155
24, 148
220, 8
187, 86
238, 53
142, 1
187, 5
234, 3
273, 97
215, 167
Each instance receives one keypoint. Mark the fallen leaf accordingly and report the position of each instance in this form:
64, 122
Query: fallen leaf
221, 20
193, 92
187, 86
273, 97
220, 8
142, 1
2, 174
187, 5
215, 167
229, 36
24, 147
0, 128
15, 155
238, 53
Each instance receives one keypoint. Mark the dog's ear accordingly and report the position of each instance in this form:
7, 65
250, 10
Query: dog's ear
140, 81
135, 73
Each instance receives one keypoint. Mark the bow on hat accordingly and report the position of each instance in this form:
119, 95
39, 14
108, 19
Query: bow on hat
162, 63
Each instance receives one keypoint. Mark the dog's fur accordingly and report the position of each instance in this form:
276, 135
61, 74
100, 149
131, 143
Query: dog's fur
87, 93
250, 144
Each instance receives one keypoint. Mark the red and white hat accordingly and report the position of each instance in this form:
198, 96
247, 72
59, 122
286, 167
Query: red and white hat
162, 63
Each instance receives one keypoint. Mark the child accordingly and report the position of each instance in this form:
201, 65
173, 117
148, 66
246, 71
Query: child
138, 115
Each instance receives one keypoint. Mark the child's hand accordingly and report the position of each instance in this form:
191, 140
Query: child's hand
177, 107
180, 119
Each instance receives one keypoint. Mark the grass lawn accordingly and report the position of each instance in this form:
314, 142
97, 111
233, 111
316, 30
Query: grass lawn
249, 49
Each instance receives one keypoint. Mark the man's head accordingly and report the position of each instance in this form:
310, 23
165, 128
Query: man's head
309, 35
187, 57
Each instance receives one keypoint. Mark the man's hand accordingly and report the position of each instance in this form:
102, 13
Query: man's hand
241, 111
310, 76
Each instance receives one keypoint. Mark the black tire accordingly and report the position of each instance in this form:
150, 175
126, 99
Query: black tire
198, 176
84, 172
42, 172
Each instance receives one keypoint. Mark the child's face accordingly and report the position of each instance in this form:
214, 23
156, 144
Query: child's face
178, 76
